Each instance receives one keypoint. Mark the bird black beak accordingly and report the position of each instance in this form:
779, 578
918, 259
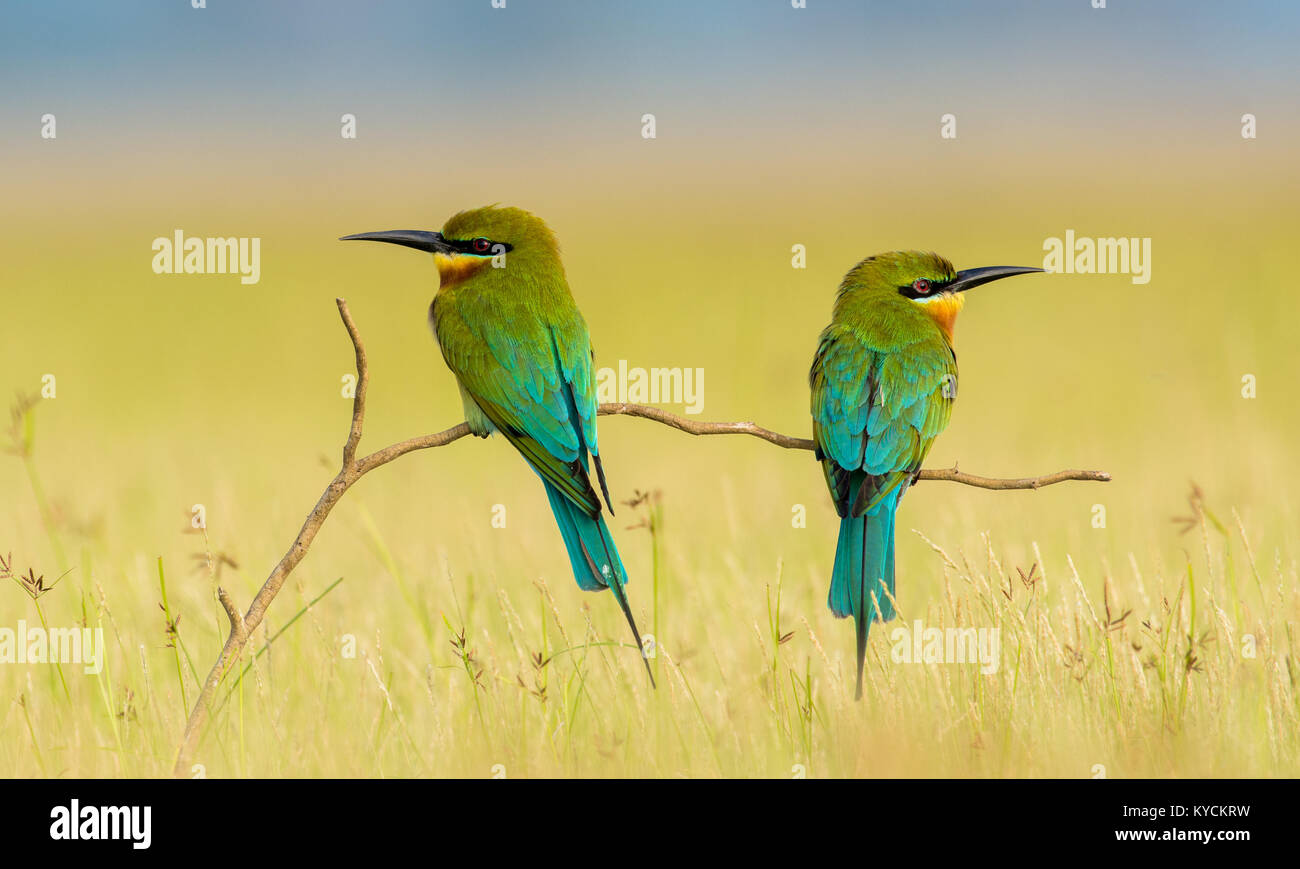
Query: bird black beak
429, 242
968, 279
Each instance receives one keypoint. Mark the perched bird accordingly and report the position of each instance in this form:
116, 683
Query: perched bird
511, 333
883, 382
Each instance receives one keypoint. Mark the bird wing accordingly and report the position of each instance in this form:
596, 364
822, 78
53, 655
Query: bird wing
577, 363
512, 363
876, 412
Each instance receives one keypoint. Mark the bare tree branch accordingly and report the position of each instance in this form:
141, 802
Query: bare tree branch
707, 428
693, 427
232, 613
953, 475
352, 469
363, 382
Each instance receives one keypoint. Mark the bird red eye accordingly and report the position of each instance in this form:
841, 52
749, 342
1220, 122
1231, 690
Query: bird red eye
921, 285
481, 245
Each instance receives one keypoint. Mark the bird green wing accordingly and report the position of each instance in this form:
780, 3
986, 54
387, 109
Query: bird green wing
577, 368
527, 375
876, 412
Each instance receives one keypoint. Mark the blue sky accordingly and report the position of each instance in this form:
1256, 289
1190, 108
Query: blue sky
138, 61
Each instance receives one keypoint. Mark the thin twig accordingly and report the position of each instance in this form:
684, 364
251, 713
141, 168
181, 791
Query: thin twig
352, 469
950, 475
707, 428
236, 620
363, 382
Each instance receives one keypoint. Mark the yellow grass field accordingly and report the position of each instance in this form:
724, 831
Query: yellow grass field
423, 660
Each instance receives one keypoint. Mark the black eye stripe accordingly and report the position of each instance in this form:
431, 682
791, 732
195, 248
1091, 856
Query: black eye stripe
469, 245
930, 288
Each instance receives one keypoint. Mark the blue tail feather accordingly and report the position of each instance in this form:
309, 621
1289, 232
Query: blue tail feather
864, 568
593, 556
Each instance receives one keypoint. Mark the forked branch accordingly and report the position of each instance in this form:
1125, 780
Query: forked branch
353, 468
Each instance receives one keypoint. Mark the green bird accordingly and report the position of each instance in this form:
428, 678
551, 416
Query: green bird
883, 382
513, 336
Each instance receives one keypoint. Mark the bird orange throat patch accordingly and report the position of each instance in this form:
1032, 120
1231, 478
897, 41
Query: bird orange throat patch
454, 269
943, 310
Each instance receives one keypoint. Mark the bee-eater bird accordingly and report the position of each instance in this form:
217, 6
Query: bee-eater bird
511, 333
883, 382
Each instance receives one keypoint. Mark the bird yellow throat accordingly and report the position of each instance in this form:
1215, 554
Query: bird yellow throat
454, 269
943, 311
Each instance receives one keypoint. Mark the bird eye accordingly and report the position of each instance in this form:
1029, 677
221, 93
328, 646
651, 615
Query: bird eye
481, 245
921, 285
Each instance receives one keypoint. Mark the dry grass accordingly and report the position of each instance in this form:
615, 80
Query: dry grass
1148, 669
455, 648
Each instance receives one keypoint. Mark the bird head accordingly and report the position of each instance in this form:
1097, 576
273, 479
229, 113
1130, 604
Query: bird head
478, 239
925, 280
